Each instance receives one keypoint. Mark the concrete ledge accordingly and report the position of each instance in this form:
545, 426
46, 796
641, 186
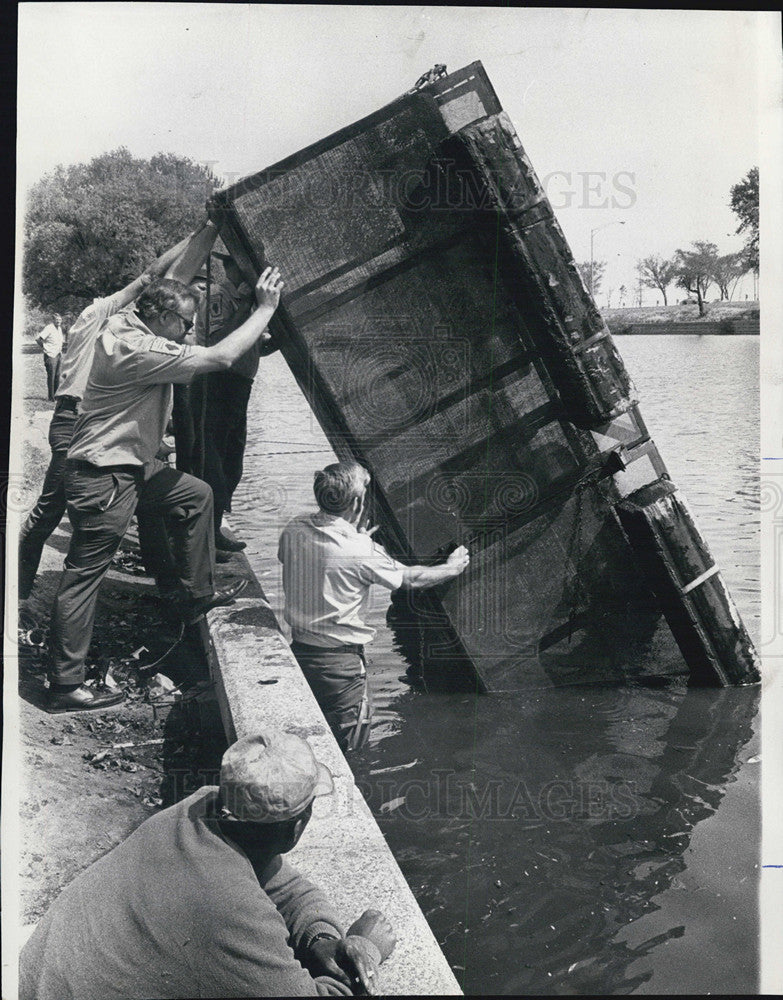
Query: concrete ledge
343, 850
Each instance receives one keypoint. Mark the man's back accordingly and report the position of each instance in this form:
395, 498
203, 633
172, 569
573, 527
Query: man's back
328, 568
81, 341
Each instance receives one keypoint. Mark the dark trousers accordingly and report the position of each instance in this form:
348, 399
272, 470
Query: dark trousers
185, 429
341, 690
101, 503
225, 434
50, 507
52, 374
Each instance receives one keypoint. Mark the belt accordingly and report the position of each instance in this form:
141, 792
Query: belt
135, 469
346, 647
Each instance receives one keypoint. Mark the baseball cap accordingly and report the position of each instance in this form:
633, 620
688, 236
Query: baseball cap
271, 777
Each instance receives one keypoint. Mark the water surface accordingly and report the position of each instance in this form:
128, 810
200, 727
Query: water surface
588, 839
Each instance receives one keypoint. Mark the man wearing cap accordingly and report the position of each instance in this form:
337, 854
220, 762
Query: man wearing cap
227, 394
111, 469
198, 901
329, 564
50, 506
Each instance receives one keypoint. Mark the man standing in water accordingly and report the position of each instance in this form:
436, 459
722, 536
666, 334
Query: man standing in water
329, 565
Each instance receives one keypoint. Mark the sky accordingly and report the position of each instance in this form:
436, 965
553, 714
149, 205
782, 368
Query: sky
645, 118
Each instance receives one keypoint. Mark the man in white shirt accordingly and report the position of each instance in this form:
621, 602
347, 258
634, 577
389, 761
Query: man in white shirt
50, 339
329, 564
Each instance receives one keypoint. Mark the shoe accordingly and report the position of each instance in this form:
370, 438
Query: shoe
223, 557
195, 609
223, 544
82, 699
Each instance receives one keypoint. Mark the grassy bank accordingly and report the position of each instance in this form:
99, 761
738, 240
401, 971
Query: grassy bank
723, 313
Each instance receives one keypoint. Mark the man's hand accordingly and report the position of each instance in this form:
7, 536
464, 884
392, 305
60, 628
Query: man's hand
368, 531
459, 559
269, 287
351, 960
374, 926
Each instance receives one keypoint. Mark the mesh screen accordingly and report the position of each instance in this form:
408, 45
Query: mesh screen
339, 205
419, 349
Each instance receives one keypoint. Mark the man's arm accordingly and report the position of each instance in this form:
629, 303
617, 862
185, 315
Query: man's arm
132, 291
351, 959
222, 355
419, 577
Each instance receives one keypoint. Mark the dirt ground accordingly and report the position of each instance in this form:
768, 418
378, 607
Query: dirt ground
81, 793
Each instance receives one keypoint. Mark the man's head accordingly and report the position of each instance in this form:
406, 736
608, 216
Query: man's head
167, 307
57, 319
341, 488
268, 784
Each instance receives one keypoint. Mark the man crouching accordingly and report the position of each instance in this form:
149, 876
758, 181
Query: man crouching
198, 901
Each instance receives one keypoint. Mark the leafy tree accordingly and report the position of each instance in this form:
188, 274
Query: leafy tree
696, 268
655, 272
623, 293
599, 266
745, 204
92, 227
727, 271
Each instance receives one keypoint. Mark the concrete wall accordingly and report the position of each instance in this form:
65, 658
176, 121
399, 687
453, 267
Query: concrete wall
258, 683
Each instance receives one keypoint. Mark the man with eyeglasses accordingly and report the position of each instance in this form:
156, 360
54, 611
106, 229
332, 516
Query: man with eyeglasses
50, 506
111, 469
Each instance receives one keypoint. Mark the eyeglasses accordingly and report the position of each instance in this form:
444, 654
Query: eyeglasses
188, 322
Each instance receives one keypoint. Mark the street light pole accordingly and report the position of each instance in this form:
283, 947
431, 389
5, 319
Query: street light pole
614, 222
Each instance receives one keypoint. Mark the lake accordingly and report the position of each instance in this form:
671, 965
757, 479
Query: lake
588, 839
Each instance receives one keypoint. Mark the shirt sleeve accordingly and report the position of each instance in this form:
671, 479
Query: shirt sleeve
247, 949
304, 907
164, 362
94, 316
102, 309
379, 567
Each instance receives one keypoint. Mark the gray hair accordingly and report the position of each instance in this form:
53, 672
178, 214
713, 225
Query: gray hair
164, 295
338, 485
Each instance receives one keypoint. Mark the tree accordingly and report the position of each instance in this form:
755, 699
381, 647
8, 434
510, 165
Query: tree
695, 269
655, 272
92, 227
745, 204
599, 266
727, 271
623, 293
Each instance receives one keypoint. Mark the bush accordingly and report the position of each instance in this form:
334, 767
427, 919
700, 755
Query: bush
34, 320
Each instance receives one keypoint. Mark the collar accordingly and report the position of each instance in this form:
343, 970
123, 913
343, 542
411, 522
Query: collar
321, 520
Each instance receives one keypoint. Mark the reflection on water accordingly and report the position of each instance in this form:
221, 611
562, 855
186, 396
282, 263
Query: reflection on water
581, 840
536, 828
